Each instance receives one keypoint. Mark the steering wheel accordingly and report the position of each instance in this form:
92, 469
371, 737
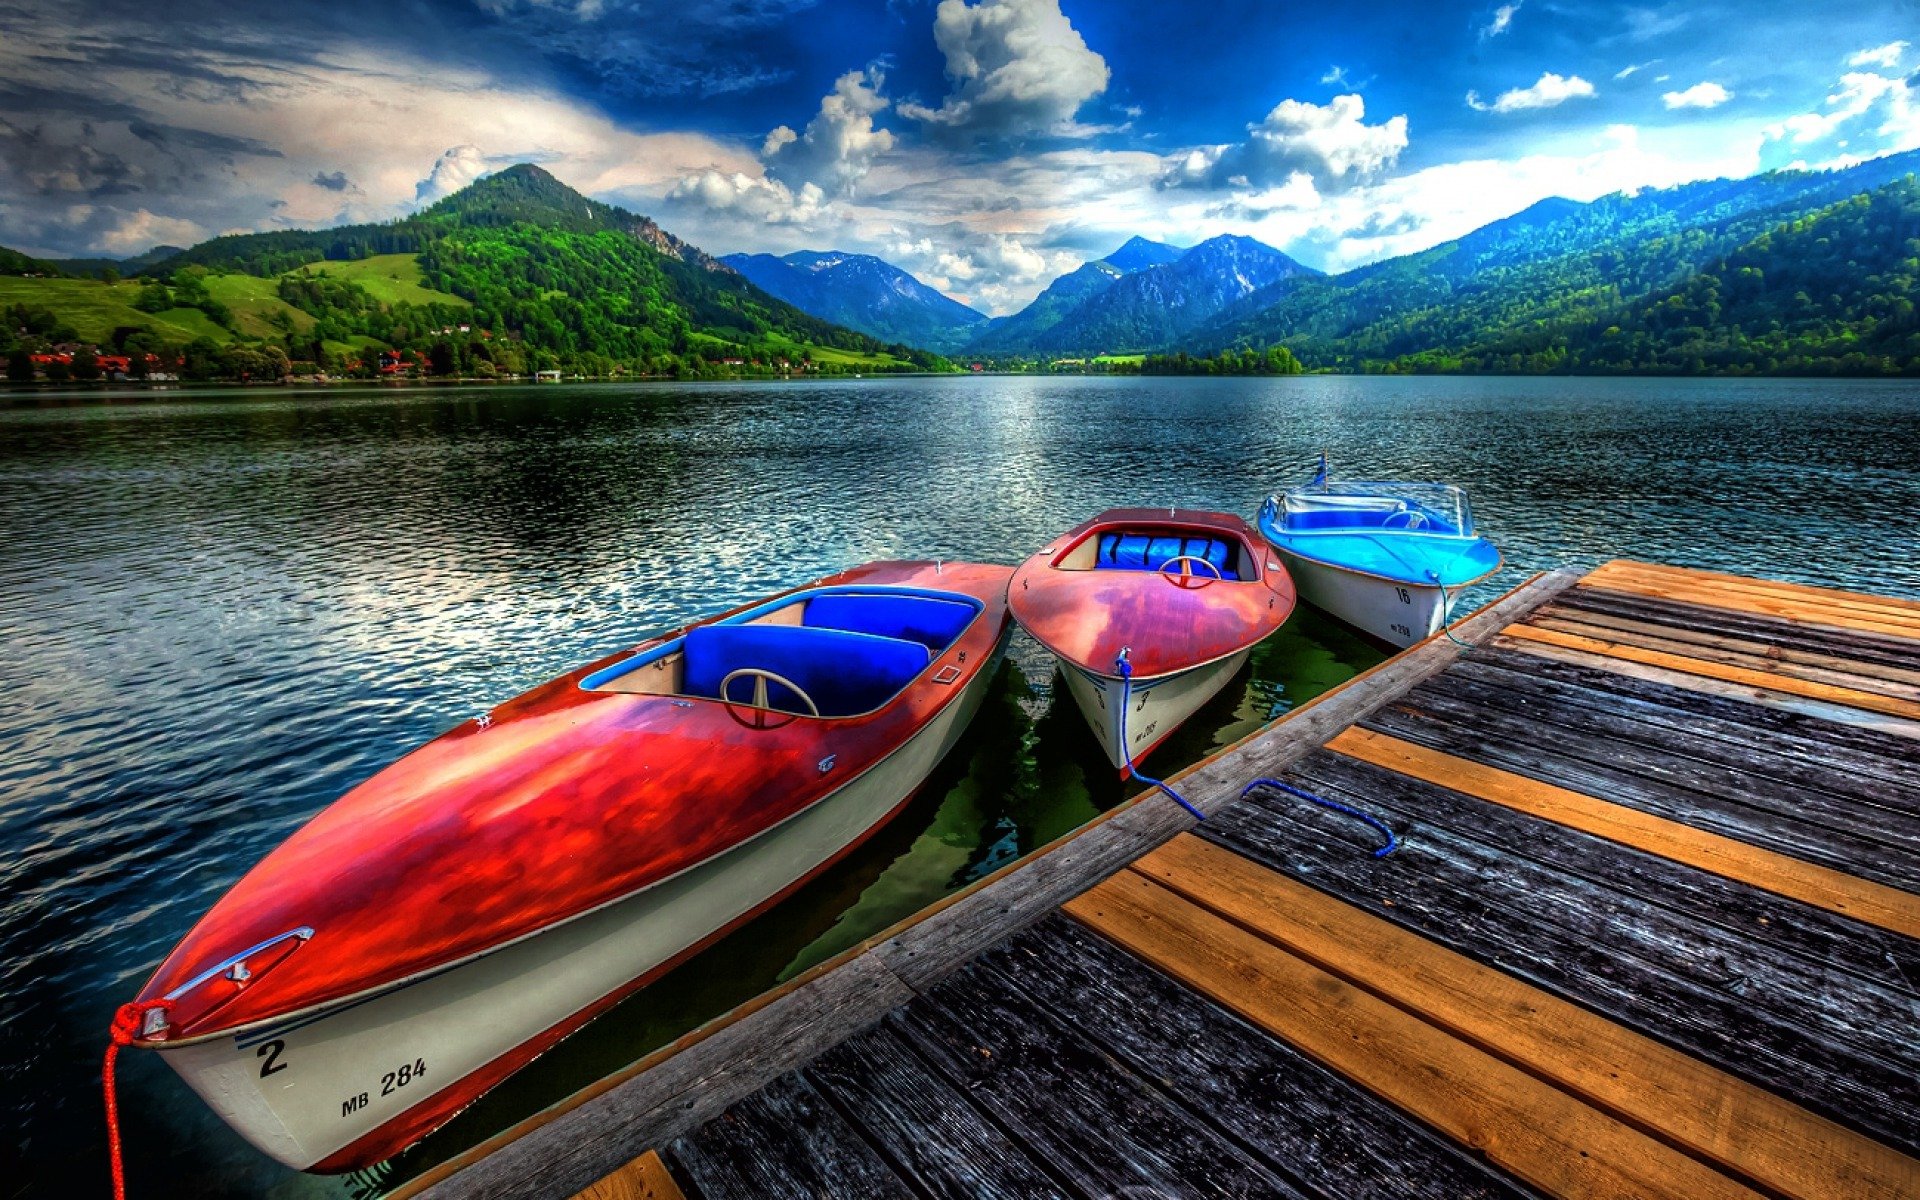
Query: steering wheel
1415, 519
1186, 572
760, 706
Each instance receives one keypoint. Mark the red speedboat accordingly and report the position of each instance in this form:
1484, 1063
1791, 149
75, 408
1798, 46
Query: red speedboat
466, 908
1180, 597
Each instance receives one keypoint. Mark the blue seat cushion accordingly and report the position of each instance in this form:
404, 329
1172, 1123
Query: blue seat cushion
931, 622
845, 673
1140, 552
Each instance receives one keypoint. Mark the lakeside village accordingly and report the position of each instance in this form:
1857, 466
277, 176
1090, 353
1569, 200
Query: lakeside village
88, 363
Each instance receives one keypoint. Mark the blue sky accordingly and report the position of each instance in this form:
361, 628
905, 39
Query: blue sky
986, 145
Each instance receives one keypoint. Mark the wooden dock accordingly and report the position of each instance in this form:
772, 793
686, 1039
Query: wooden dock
1653, 929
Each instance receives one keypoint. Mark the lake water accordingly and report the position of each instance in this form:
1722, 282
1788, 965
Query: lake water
221, 611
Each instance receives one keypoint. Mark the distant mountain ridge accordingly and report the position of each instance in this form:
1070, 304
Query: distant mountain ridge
1558, 262
1144, 296
864, 293
1021, 331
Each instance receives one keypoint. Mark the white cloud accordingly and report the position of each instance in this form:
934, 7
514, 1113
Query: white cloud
840, 143
1633, 69
754, 197
455, 169
1502, 17
1018, 67
1547, 92
1330, 143
1879, 56
1700, 95
1865, 115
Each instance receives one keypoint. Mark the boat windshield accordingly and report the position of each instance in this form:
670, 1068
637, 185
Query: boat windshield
1432, 509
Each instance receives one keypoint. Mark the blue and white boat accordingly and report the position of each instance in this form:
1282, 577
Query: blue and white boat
1382, 556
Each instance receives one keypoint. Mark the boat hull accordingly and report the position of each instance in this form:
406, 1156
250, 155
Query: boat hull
351, 1086
1155, 708
1394, 612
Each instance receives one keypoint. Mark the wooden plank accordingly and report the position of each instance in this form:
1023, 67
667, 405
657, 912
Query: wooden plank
1816, 668
1779, 587
1740, 1128
1833, 948
645, 1178
1881, 833
1521, 1124
784, 1140
1747, 744
1101, 1129
1821, 829
1784, 701
925, 1128
1849, 748
1852, 697
1325, 1133
1835, 891
1862, 648
1813, 611
1831, 1041
676, 1088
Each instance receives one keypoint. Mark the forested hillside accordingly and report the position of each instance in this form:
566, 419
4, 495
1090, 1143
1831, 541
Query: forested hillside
1832, 292
1558, 265
515, 273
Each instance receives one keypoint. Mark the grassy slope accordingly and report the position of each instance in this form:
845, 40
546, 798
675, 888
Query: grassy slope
253, 302
96, 309
388, 278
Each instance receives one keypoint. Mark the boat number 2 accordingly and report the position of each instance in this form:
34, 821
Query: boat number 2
269, 1055
1406, 597
407, 1073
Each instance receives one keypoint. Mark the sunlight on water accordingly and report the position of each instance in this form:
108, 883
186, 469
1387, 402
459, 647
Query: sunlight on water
223, 611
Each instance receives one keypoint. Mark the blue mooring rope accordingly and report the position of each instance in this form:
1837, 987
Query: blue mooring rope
1126, 691
1126, 687
1446, 616
1393, 843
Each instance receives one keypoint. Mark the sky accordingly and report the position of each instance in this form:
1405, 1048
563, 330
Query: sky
987, 146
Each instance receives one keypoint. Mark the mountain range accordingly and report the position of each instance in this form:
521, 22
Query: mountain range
864, 293
514, 273
1785, 272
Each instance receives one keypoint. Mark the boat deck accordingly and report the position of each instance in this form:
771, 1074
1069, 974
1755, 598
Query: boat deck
1652, 929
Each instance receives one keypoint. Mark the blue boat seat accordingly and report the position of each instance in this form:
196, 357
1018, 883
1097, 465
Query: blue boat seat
932, 622
845, 673
1143, 552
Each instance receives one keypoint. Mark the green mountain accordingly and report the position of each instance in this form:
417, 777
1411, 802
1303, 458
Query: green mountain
1559, 264
514, 273
1828, 293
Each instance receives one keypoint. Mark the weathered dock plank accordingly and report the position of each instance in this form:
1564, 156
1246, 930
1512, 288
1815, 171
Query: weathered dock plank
1831, 1041
1772, 1144
1520, 1123
1835, 891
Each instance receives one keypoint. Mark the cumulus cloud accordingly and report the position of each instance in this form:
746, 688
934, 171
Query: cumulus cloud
1865, 115
1329, 143
839, 144
1548, 91
1700, 95
456, 168
1017, 67
1879, 56
757, 198
1502, 18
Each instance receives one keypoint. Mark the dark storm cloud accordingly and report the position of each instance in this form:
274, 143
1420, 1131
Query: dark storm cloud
335, 181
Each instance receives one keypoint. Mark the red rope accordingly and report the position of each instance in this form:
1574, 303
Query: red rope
125, 1028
